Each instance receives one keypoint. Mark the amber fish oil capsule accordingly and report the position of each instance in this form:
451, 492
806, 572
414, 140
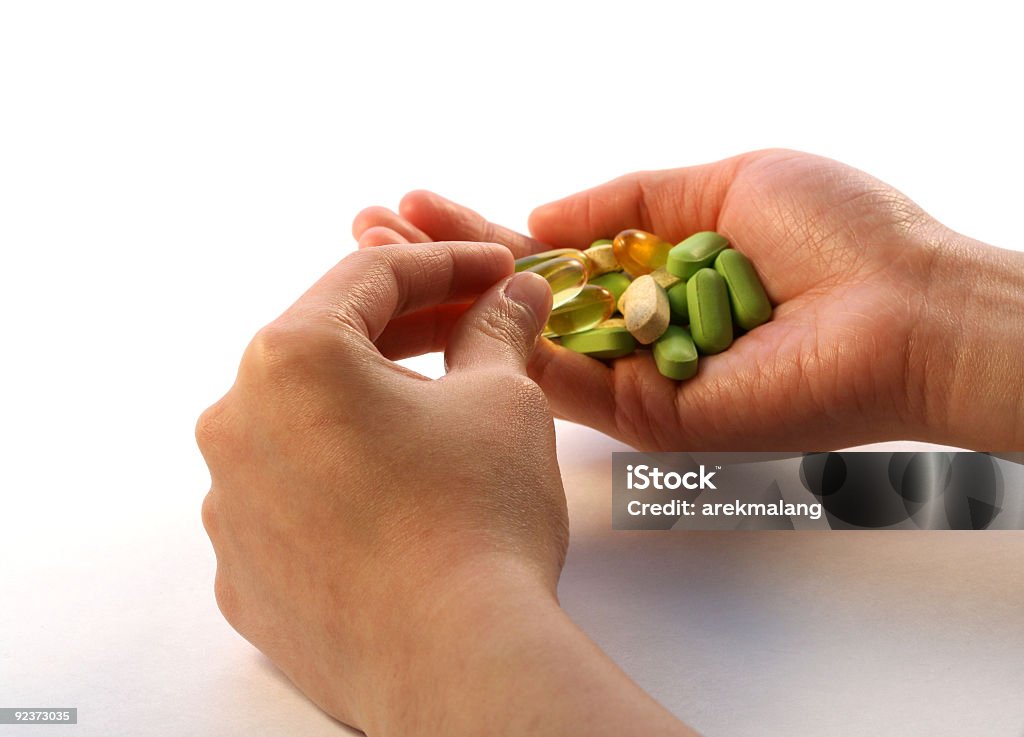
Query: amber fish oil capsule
565, 276
707, 300
750, 305
593, 305
640, 252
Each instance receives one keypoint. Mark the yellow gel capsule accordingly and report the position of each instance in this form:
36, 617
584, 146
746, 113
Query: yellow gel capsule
591, 306
528, 262
640, 252
565, 276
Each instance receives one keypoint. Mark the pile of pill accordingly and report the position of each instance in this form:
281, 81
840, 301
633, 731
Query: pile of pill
681, 300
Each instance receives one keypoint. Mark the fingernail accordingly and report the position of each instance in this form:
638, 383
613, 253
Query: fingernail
532, 291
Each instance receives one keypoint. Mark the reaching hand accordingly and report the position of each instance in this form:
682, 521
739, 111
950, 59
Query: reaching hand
393, 543
351, 496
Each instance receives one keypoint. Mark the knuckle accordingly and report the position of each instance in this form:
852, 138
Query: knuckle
528, 394
272, 345
391, 262
524, 394
372, 259
209, 516
285, 348
212, 431
226, 595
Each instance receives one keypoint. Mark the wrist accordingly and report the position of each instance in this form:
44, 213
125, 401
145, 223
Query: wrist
965, 371
495, 654
451, 642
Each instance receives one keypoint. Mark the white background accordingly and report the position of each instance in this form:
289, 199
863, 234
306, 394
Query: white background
173, 175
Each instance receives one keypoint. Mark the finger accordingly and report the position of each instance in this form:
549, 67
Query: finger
371, 287
578, 388
502, 326
378, 235
383, 217
673, 203
751, 397
445, 220
629, 400
421, 332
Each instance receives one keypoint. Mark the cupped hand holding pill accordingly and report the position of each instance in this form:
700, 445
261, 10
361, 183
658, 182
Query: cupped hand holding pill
882, 326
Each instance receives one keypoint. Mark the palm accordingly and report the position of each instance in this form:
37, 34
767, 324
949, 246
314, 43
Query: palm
827, 242
837, 253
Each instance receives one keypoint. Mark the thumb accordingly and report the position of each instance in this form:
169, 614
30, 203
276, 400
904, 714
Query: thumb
502, 326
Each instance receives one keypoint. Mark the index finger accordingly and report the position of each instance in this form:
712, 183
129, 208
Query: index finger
369, 288
673, 203
443, 219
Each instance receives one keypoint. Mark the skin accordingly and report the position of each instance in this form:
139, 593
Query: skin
393, 544
884, 326
361, 533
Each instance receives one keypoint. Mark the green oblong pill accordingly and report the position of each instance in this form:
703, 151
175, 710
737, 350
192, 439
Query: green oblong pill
602, 242
750, 305
707, 300
615, 282
675, 354
677, 303
695, 253
601, 342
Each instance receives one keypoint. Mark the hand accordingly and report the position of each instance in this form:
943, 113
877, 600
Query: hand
393, 543
352, 497
883, 326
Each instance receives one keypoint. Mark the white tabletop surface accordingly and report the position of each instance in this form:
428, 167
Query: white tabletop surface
739, 634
